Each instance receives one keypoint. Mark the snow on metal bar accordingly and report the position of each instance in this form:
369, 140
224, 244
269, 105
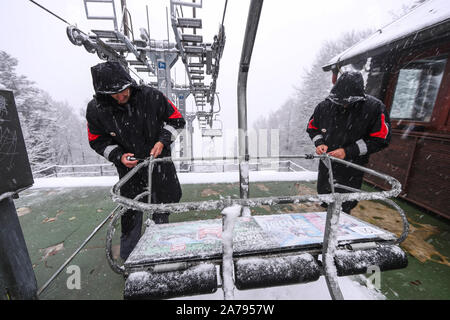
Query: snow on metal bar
268, 271
386, 257
232, 210
329, 248
251, 202
200, 279
230, 215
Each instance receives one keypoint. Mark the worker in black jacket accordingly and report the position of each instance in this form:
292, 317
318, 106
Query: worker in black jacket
349, 125
129, 120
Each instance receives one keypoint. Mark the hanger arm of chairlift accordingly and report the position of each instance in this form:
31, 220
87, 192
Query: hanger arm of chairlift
254, 14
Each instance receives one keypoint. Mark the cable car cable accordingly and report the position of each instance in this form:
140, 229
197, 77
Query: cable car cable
65, 21
54, 14
224, 11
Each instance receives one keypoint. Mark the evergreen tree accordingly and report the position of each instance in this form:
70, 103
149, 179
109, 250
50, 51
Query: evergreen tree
53, 134
292, 117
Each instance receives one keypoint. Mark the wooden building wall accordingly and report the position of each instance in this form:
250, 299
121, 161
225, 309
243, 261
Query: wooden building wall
418, 158
421, 163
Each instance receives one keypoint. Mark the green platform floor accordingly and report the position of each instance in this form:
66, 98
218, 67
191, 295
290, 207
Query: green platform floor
56, 221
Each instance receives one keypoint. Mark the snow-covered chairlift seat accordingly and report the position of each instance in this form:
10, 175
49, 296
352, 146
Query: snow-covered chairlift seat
185, 258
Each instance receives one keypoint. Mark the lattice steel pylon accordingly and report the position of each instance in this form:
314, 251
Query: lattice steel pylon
200, 59
158, 57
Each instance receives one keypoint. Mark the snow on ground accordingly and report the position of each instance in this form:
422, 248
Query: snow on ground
185, 178
73, 182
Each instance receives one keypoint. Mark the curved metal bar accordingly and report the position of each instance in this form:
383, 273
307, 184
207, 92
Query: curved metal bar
404, 220
405, 231
109, 236
116, 188
395, 184
334, 200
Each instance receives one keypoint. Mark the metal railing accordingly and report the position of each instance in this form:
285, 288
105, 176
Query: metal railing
230, 166
106, 169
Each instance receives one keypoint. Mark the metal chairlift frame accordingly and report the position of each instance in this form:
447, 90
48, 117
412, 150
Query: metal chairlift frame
211, 132
207, 51
104, 49
122, 40
126, 43
178, 37
334, 201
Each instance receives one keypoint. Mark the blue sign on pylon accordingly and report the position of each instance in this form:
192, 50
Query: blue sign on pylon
161, 65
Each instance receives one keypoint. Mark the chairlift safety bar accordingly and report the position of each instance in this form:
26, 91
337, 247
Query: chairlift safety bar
334, 201
222, 203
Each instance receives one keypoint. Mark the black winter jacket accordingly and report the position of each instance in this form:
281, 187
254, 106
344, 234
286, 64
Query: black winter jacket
136, 127
361, 128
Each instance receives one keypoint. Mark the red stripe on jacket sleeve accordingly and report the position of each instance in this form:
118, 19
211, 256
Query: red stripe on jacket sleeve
91, 136
176, 114
310, 125
383, 133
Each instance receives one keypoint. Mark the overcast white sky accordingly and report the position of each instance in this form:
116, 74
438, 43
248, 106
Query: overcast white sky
290, 34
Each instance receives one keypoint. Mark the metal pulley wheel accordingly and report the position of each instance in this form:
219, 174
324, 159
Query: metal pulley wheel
89, 46
74, 35
102, 55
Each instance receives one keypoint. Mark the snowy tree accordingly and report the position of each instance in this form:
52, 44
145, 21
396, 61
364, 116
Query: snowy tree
38, 121
292, 117
406, 8
36, 112
53, 133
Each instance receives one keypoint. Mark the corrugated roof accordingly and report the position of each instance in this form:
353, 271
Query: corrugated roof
425, 17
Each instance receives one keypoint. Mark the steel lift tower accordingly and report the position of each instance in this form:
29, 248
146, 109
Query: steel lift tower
158, 57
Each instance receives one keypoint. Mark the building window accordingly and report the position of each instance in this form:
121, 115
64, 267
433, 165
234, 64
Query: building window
417, 88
